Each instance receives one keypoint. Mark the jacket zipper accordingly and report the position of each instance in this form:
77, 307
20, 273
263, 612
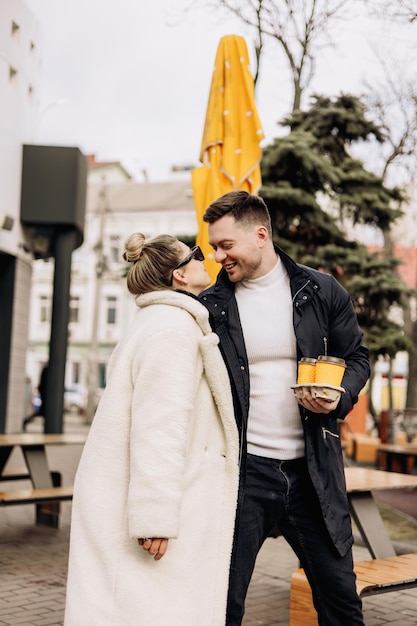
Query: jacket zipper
301, 288
326, 432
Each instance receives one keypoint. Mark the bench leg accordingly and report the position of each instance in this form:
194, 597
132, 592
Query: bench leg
370, 524
47, 514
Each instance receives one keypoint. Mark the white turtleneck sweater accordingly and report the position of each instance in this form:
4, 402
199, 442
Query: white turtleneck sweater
266, 315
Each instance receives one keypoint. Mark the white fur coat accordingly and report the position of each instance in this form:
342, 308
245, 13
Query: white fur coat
161, 460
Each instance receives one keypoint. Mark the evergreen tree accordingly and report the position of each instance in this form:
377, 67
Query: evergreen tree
312, 167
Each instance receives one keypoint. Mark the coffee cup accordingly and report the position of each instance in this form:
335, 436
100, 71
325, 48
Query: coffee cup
330, 370
306, 371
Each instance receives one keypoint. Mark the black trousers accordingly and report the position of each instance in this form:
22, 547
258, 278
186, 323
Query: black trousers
280, 495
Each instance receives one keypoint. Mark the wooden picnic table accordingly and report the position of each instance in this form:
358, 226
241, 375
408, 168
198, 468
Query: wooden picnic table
361, 482
46, 484
386, 571
398, 457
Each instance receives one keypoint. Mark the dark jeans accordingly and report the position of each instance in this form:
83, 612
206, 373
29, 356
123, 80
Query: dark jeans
280, 495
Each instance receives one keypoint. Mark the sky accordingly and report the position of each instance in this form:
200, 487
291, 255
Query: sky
128, 80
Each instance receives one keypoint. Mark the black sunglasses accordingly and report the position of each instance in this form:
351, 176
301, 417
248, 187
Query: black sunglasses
196, 253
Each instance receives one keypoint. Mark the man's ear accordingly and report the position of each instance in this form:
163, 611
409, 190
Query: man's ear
179, 277
262, 234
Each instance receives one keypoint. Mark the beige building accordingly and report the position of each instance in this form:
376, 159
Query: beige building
100, 305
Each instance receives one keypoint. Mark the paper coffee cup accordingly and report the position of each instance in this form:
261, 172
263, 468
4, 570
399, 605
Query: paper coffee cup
306, 371
330, 370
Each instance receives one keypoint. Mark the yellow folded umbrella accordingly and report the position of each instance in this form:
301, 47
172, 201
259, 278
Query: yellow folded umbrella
230, 150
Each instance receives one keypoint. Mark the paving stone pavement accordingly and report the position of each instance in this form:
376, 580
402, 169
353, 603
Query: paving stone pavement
33, 564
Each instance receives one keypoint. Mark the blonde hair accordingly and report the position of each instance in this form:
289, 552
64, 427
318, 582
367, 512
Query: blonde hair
152, 262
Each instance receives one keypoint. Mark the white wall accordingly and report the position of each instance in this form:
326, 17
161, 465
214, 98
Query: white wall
19, 110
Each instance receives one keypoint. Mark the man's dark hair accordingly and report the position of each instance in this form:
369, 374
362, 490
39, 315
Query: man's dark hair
245, 208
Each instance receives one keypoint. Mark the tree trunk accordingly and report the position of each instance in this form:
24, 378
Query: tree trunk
411, 402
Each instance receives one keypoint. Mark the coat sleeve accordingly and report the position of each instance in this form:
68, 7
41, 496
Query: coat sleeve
164, 381
346, 340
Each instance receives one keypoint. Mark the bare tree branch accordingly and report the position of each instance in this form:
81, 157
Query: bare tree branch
401, 10
394, 103
300, 27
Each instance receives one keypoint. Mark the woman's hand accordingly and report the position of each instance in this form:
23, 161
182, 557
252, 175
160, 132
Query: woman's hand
156, 546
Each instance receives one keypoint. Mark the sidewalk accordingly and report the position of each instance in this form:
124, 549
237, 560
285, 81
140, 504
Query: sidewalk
33, 562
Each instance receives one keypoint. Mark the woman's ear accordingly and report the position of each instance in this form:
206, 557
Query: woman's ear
179, 277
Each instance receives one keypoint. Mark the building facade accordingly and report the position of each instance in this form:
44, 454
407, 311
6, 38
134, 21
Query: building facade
100, 304
19, 107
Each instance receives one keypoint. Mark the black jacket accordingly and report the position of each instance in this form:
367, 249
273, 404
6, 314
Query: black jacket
322, 311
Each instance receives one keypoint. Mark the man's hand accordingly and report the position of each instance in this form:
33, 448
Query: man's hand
156, 546
316, 405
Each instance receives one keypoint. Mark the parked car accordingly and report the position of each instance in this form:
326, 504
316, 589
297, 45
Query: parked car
75, 398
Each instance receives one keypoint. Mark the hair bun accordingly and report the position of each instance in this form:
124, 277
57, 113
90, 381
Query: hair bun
134, 247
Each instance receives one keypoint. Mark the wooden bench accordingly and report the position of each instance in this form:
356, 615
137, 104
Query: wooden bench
35, 496
46, 499
372, 577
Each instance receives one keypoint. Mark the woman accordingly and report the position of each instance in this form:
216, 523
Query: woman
156, 488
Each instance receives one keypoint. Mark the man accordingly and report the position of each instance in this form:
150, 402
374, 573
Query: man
269, 312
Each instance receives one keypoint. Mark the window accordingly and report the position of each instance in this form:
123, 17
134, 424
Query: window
75, 372
111, 302
74, 309
102, 375
44, 308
